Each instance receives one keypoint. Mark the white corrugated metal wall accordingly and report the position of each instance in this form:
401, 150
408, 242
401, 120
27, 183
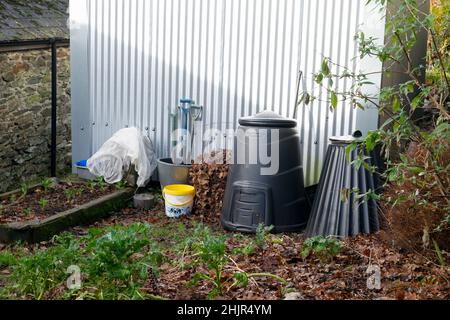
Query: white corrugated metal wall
132, 60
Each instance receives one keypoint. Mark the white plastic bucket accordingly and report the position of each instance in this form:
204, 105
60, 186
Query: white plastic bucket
178, 199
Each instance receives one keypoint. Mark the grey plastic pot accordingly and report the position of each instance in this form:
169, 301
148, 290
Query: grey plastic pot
170, 173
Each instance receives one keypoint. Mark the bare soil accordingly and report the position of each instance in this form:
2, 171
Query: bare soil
40, 204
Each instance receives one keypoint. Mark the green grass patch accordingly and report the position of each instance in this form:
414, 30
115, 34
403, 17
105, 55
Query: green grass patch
114, 263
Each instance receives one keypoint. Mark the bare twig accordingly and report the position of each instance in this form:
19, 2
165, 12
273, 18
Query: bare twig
440, 61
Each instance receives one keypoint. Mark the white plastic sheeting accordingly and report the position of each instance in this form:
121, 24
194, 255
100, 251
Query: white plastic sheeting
132, 60
126, 148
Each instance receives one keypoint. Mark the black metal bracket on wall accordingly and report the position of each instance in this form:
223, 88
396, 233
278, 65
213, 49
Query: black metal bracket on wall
53, 44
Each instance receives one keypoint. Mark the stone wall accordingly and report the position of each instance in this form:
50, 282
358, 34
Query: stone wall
25, 111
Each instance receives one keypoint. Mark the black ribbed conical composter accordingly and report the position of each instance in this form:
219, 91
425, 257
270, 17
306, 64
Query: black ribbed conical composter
335, 210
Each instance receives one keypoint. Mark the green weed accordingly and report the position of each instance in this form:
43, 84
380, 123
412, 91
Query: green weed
24, 189
212, 253
114, 264
43, 203
6, 259
72, 193
262, 235
122, 184
325, 248
100, 182
46, 183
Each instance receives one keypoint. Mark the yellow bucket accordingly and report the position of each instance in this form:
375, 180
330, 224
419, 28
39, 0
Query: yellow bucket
178, 199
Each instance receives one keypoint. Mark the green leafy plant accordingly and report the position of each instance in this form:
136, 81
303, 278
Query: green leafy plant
72, 193
27, 211
122, 184
43, 203
199, 233
414, 135
115, 263
113, 252
120, 259
34, 275
247, 249
262, 234
91, 185
46, 183
325, 248
212, 253
158, 194
7, 259
241, 278
100, 182
186, 241
24, 189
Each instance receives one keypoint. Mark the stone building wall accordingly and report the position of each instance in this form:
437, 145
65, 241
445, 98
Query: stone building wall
25, 115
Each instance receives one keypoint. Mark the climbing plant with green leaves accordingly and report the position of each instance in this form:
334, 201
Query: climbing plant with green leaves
415, 112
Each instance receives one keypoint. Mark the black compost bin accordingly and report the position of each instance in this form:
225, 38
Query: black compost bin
272, 197
336, 209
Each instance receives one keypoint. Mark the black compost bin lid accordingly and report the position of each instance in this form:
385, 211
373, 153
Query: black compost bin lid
268, 119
